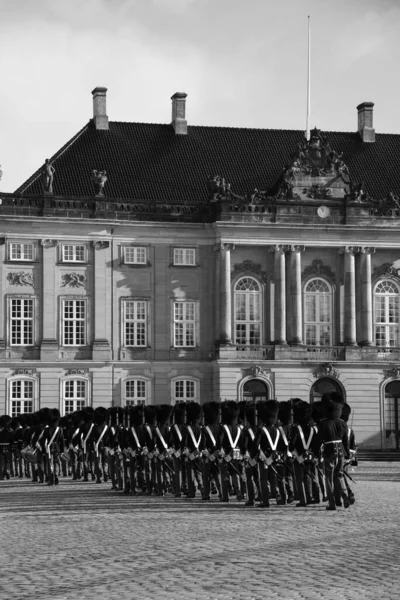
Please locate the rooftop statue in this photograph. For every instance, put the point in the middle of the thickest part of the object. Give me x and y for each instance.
(99, 179)
(218, 188)
(316, 157)
(48, 176)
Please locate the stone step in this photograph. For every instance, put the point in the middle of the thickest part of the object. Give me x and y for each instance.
(378, 455)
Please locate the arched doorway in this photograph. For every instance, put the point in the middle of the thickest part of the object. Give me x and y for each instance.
(255, 389)
(392, 410)
(325, 385)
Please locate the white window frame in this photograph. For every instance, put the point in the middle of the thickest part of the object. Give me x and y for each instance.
(318, 323)
(76, 399)
(35, 395)
(22, 299)
(135, 251)
(74, 258)
(23, 250)
(185, 397)
(184, 257)
(63, 320)
(136, 399)
(248, 322)
(194, 322)
(124, 322)
(386, 325)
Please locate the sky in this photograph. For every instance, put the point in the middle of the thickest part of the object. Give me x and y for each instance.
(243, 63)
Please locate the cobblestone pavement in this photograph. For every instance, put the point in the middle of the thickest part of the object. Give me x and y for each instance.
(84, 541)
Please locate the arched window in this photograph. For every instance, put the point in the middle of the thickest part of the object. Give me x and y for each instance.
(22, 396)
(248, 311)
(135, 392)
(75, 395)
(386, 313)
(184, 389)
(318, 313)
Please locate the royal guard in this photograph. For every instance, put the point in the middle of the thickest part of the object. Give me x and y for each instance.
(53, 439)
(148, 448)
(86, 441)
(284, 462)
(230, 456)
(6, 441)
(303, 445)
(211, 470)
(266, 443)
(192, 448)
(352, 460)
(177, 435)
(334, 436)
(248, 449)
(18, 432)
(162, 452)
(43, 419)
(99, 441)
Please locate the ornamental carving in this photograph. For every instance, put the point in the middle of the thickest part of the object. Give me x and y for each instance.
(20, 278)
(223, 246)
(318, 268)
(49, 243)
(386, 270)
(220, 190)
(73, 280)
(318, 192)
(255, 371)
(24, 372)
(76, 372)
(248, 266)
(325, 370)
(100, 244)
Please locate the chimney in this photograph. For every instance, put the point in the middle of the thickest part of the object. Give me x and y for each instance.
(100, 108)
(365, 121)
(179, 122)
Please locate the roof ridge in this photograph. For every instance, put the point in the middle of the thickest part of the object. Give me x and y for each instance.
(55, 156)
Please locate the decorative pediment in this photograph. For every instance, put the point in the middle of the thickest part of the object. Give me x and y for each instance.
(73, 280)
(256, 371)
(76, 372)
(49, 243)
(316, 268)
(248, 266)
(20, 278)
(387, 270)
(100, 244)
(30, 372)
(325, 370)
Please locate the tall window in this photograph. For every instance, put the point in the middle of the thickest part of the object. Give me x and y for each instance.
(74, 322)
(184, 324)
(318, 313)
(21, 321)
(248, 308)
(75, 395)
(184, 390)
(19, 251)
(135, 255)
(386, 301)
(135, 392)
(73, 253)
(135, 323)
(21, 396)
(185, 256)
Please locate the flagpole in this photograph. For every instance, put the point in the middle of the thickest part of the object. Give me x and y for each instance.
(308, 81)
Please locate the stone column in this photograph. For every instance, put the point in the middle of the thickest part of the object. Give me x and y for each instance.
(296, 304)
(349, 278)
(366, 334)
(280, 293)
(101, 300)
(49, 313)
(225, 294)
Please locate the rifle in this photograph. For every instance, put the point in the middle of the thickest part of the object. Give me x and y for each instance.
(349, 477)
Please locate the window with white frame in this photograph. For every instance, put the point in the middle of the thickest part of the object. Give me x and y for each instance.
(21, 322)
(21, 396)
(73, 253)
(135, 255)
(75, 395)
(248, 312)
(184, 390)
(135, 323)
(185, 257)
(135, 392)
(20, 251)
(386, 313)
(73, 322)
(184, 324)
(318, 313)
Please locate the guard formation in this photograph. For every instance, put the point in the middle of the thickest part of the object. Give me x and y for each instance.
(291, 452)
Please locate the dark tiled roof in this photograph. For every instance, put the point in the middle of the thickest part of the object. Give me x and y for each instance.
(148, 161)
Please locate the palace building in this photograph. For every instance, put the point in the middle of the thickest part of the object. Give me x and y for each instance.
(153, 263)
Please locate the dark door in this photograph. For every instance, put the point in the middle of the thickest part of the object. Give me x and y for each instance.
(392, 411)
(254, 389)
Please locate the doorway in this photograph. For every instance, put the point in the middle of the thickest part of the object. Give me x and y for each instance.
(325, 385)
(254, 389)
(392, 410)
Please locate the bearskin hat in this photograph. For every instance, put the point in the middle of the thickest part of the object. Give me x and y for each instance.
(318, 411)
(150, 414)
(285, 412)
(229, 412)
(87, 414)
(333, 410)
(120, 415)
(211, 412)
(163, 413)
(136, 415)
(193, 412)
(302, 413)
(112, 416)
(100, 415)
(267, 411)
(5, 421)
(180, 413)
(346, 412)
(64, 422)
(250, 413)
(337, 397)
(242, 411)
